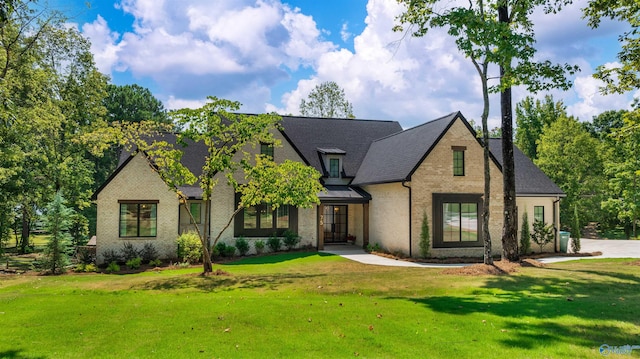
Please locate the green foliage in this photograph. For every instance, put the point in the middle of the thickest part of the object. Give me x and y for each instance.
(113, 267)
(84, 255)
(134, 263)
(373, 247)
(229, 251)
(57, 220)
(525, 235)
(259, 246)
(425, 236)
(129, 251)
(274, 242)
(326, 100)
(79, 229)
(133, 103)
(575, 231)
(542, 234)
(291, 239)
(242, 245)
(219, 249)
(189, 247)
(85, 268)
(155, 263)
(532, 118)
(111, 256)
(148, 252)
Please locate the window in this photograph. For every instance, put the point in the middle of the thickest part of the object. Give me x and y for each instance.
(196, 212)
(266, 149)
(138, 219)
(538, 213)
(263, 220)
(457, 220)
(334, 168)
(458, 161)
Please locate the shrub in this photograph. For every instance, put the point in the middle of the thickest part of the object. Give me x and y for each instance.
(155, 262)
(259, 246)
(90, 268)
(129, 251)
(84, 255)
(219, 250)
(189, 247)
(291, 239)
(229, 251)
(374, 247)
(134, 263)
(111, 256)
(274, 243)
(525, 235)
(242, 245)
(80, 267)
(148, 253)
(425, 236)
(113, 267)
(542, 234)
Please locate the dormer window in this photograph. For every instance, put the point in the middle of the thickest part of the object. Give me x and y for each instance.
(334, 167)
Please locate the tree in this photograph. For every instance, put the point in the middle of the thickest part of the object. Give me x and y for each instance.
(327, 100)
(542, 234)
(425, 236)
(525, 235)
(133, 103)
(604, 124)
(531, 119)
(228, 137)
(491, 32)
(572, 159)
(625, 77)
(57, 222)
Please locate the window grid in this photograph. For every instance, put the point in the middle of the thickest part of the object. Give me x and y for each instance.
(538, 213)
(334, 168)
(266, 149)
(138, 219)
(458, 163)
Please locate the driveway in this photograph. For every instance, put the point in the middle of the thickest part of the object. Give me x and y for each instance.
(609, 249)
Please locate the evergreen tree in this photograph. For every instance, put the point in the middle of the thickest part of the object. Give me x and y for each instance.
(57, 220)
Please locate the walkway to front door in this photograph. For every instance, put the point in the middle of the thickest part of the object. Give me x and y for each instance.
(335, 224)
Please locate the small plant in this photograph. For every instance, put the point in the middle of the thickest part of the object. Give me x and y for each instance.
(242, 245)
(525, 235)
(274, 243)
(182, 264)
(229, 251)
(129, 251)
(219, 250)
(425, 236)
(542, 234)
(84, 255)
(291, 239)
(373, 247)
(88, 268)
(148, 253)
(113, 267)
(80, 267)
(259, 246)
(155, 263)
(189, 247)
(134, 263)
(111, 256)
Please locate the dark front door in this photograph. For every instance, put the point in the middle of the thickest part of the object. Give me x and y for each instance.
(335, 224)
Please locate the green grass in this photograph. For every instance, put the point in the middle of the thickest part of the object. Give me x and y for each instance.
(322, 306)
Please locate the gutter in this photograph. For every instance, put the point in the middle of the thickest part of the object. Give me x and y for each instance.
(409, 187)
(557, 229)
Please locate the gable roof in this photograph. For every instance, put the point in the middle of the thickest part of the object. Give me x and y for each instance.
(394, 158)
(530, 180)
(352, 138)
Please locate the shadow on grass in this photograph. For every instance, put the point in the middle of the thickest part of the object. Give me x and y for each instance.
(223, 282)
(586, 308)
(276, 258)
(17, 354)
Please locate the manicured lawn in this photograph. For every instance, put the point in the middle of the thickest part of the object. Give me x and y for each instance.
(322, 306)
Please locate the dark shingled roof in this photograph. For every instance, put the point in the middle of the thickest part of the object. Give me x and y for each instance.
(308, 135)
(530, 180)
(395, 157)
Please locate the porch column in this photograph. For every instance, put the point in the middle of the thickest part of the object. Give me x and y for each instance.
(365, 224)
(321, 227)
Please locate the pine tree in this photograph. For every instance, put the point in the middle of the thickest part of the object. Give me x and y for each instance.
(425, 236)
(525, 235)
(57, 222)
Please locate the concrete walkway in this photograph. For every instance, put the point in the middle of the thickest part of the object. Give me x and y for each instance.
(609, 249)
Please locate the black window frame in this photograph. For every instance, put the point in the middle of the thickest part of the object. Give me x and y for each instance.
(458, 163)
(439, 199)
(337, 172)
(260, 231)
(266, 149)
(198, 218)
(138, 203)
(535, 215)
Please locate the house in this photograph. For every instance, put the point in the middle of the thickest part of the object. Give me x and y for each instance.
(380, 181)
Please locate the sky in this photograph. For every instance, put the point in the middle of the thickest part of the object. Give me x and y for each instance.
(269, 54)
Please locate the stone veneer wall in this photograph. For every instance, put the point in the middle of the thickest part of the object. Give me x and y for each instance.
(137, 181)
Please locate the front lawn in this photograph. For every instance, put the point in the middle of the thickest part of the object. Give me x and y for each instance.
(323, 306)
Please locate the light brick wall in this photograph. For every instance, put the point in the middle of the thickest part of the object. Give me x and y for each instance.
(435, 175)
(389, 216)
(527, 204)
(136, 181)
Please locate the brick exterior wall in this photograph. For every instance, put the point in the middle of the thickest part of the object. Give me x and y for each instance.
(389, 216)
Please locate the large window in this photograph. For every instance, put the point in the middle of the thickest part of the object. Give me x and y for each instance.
(138, 219)
(458, 161)
(457, 220)
(334, 168)
(263, 221)
(538, 213)
(196, 211)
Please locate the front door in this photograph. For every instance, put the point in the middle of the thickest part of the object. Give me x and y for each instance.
(335, 224)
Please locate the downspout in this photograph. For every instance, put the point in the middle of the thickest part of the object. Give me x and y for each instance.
(409, 187)
(556, 224)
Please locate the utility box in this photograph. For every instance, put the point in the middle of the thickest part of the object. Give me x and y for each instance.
(564, 241)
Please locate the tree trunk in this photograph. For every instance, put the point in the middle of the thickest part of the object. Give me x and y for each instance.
(510, 225)
(24, 237)
(486, 235)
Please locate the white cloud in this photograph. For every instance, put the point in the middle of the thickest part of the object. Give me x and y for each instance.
(103, 44)
(345, 35)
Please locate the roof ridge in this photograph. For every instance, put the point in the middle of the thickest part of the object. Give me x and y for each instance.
(450, 116)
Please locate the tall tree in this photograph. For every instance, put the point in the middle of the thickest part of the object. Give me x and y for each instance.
(531, 119)
(327, 100)
(57, 220)
(134, 103)
(495, 32)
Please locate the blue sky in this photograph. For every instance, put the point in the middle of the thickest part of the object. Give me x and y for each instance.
(268, 54)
